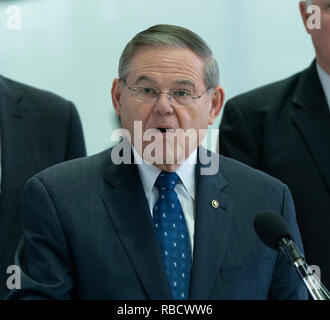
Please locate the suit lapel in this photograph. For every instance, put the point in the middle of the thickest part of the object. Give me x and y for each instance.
(129, 211)
(14, 148)
(212, 225)
(312, 118)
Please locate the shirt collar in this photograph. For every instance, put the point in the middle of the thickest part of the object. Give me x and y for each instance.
(325, 81)
(150, 173)
(186, 172)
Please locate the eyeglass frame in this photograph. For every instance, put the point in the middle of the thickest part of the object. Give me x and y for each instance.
(169, 94)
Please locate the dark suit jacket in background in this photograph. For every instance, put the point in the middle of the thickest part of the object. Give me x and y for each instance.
(284, 130)
(38, 129)
(89, 234)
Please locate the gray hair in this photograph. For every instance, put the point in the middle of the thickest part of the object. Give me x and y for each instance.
(309, 2)
(172, 36)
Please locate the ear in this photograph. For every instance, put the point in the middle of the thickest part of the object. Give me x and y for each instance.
(218, 99)
(116, 95)
(304, 14)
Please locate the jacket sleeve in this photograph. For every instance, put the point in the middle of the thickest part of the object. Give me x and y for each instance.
(76, 143)
(42, 255)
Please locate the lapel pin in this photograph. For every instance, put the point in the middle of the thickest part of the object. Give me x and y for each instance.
(215, 204)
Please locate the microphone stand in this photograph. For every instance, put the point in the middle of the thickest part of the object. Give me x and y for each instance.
(315, 287)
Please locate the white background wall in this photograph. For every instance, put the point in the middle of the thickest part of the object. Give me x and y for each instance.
(72, 47)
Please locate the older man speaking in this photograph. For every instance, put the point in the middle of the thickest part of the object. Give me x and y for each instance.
(156, 227)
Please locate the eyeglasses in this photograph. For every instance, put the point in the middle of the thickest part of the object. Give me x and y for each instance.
(182, 97)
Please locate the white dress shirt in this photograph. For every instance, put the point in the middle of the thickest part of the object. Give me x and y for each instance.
(185, 188)
(325, 81)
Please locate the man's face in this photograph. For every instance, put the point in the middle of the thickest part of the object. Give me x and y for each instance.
(321, 37)
(166, 69)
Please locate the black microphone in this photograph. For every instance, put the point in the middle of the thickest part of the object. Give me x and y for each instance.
(274, 232)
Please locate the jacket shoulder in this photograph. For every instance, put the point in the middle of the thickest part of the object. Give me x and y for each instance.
(268, 96)
(239, 174)
(77, 172)
(36, 100)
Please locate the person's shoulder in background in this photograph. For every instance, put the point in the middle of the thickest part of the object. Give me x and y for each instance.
(47, 112)
(263, 97)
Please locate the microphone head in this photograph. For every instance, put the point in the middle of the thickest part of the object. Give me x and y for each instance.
(271, 227)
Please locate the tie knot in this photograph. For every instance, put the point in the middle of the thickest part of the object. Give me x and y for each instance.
(167, 180)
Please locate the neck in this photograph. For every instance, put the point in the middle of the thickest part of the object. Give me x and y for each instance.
(167, 167)
(323, 65)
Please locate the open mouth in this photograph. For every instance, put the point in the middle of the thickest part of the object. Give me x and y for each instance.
(164, 130)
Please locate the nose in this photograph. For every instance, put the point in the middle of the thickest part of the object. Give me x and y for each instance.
(164, 104)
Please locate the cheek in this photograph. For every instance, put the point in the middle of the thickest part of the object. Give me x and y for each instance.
(326, 34)
(127, 115)
(321, 42)
(184, 118)
(132, 111)
(193, 118)
(323, 35)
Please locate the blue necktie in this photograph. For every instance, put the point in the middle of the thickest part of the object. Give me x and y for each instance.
(173, 236)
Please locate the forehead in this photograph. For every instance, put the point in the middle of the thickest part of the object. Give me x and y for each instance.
(166, 64)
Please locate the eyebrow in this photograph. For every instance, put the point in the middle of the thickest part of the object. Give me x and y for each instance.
(186, 82)
(143, 77)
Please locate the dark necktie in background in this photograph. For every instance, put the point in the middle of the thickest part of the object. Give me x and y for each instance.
(173, 235)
